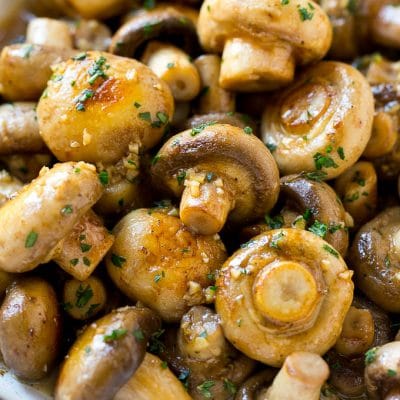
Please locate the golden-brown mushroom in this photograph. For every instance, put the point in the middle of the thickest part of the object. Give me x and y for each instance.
(19, 130)
(262, 47)
(375, 259)
(99, 104)
(286, 290)
(357, 188)
(106, 355)
(90, 35)
(320, 123)
(30, 328)
(155, 259)
(25, 69)
(47, 210)
(218, 170)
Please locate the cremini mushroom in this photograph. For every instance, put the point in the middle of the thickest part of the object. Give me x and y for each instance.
(48, 208)
(301, 377)
(19, 130)
(358, 189)
(375, 259)
(30, 328)
(25, 69)
(9, 186)
(262, 48)
(204, 351)
(106, 355)
(322, 122)
(286, 290)
(213, 98)
(98, 104)
(221, 172)
(382, 372)
(155, 259)
(152, 378)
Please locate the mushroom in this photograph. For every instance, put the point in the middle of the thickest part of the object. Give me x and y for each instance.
(155, 259)
(98, 104)
(322, 122)
(262, 48)
(171, 23)
(254, 387)
(286, 290)
(382, 372)
(30, 328)
(357, 188)
(9, 186)
(152, 378)
(89, 34)
(106, 355)
(25, 69)
(213, 98)
(375, 259)
(47, 209)
(49, 32)
(19, 130)
(218, 170)
(301, 377)
(84, 299)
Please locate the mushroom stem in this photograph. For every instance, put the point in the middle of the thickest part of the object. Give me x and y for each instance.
(301, 377)
(285, 292)
(249, 67)
(205, 206)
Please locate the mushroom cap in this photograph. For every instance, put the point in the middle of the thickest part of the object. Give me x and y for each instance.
(240, 159)
(266, 22)
(165, 22)
(126, 104)
(235, 302)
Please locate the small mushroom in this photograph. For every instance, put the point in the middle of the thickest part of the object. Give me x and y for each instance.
(106, 355)
(262, 48)
(301, 377)
(155, 259)
(375, 258)
(19, 130)
(25, 69)
(322, 122)
(382, 372)
(171, 23)
(47, 209)
(98, 105)
(49, 32)
(218, 170)
(286, 290)
(357, 188)
(89, 34)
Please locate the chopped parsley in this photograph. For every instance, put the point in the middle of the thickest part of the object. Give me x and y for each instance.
(145, 116)
(156, 346)
(117, 260)
(209, 176)
(116, 334)
(183, 377)
(83, 295)
(248, 130)
(31, 239)
(104, 178)
(391, 372)
(330, 250)
(74, 261)
(205, 387)
(27, 50)
(137, 105)
(276, 239)
(316, 176)
(138, 334)
(155, 159)
(82, 98)
(370, 355)
(324, 161)
(318, 228)
(274, 222)
(158, 277)
(306, 14)
(307, 214)
(97, 70)
(351, 6)
(67, 210)
(284, 2)
(200, 128)
(170, 65)
(86, 261)
(271, 146)
(80, 57)
(85, 247)
(164, 365)
(387, 262)
(340, 151)
(230, 387)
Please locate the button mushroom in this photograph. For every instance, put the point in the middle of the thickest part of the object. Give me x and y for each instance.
(218, 170)
(320, 123)
(98, 104)
(155, 259)
(375, 259)
(286, 290)
(262, 47)
(106, 355)
(47, 210)
(49, 32)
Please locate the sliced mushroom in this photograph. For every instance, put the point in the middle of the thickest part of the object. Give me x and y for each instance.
(106, 355)
(286, 290)
(375, 258)
(155, 259)
(174, 24)
(261, 49)
(218, 170)
(48, 209)
(322, 122)
(99, 104)
(19, 130)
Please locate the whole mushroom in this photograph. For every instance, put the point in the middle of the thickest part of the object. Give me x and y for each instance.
(262, 48)
(221, 172)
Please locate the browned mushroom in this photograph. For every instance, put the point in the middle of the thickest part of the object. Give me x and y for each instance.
(218, 170)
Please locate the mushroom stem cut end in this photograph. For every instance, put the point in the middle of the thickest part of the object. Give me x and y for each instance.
(250, 68)
(205, 207)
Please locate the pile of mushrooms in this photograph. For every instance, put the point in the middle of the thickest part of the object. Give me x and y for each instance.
(200, 199)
